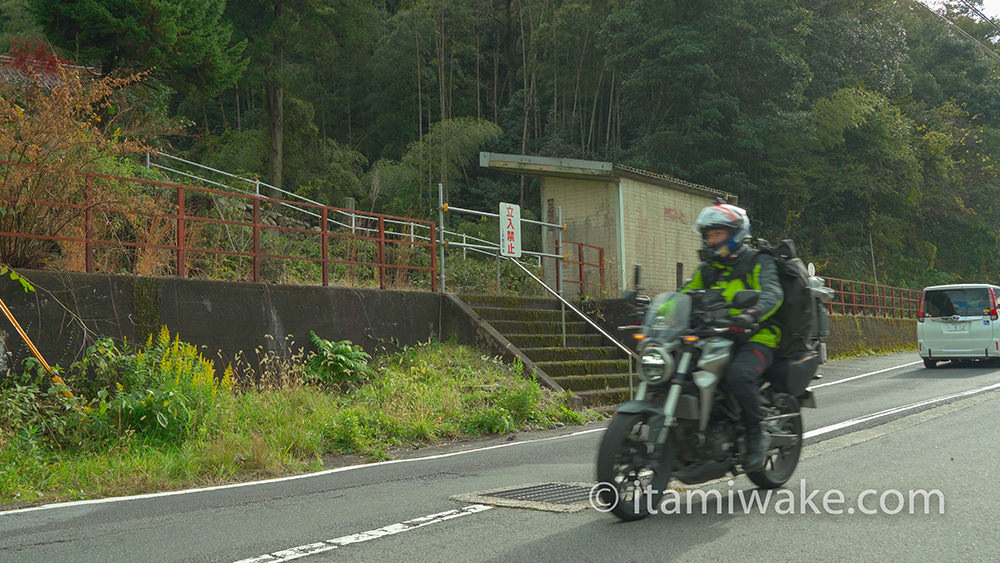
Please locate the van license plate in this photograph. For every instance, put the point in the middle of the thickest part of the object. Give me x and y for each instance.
(960, 327)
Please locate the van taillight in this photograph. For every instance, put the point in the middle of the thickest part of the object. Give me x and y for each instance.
(993, 303)
(920, 309)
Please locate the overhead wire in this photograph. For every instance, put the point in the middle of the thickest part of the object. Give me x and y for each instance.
(985, 18)
(989, 51)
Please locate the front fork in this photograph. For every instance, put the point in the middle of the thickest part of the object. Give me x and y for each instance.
(673, 395)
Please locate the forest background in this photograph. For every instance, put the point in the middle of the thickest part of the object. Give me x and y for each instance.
(867, 130)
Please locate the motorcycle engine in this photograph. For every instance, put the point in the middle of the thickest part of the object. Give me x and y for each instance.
(721, 440)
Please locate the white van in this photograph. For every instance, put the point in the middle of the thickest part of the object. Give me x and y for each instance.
(958, 321)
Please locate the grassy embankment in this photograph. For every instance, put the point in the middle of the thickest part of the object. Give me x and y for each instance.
(156, 418)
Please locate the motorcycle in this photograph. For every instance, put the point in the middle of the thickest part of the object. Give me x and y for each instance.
(682, 423)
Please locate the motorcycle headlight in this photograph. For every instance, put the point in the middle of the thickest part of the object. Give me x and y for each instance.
(656, 366)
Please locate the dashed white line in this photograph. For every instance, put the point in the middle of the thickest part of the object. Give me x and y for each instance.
(846, 379)
(392, 529)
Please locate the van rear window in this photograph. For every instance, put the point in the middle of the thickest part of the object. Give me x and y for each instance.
(962, 302)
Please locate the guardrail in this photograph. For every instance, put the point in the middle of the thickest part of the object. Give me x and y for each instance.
(862, 298)
(178, 238)
(577, 258)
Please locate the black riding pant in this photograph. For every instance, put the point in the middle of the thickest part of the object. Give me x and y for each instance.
(743, 379)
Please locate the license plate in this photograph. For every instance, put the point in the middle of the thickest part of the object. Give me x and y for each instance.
(956, 327)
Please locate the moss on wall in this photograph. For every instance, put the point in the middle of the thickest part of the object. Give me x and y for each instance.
(852, 335)
(146, 304)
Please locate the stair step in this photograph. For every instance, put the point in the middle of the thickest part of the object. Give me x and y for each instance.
(564, 354)
(553, 341)
(510, 302)
(528, 315)
(583, 367)
(541, 327)
(603, 397)
(579, 383)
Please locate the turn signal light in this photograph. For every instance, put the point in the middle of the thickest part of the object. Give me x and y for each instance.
(690, 339)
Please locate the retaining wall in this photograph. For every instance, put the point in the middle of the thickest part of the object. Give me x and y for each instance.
(69, 310)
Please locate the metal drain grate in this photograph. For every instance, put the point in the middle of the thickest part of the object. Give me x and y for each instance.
(553, 497)
(558, 493)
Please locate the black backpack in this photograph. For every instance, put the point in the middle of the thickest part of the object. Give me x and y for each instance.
(796, 315)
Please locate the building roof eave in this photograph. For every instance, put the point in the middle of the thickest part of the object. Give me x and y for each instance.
(592, 170)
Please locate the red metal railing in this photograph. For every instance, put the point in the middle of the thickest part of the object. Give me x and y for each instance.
(576, 260)
(861, 298)
(365, 243)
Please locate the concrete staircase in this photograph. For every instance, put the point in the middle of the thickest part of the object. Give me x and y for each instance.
(592, 368)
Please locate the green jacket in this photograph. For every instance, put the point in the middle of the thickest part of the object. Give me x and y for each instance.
(763, 278)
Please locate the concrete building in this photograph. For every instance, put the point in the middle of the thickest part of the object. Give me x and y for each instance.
(636, 216)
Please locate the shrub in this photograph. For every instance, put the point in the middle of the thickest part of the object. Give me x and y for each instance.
(336, 364)
(50, 127)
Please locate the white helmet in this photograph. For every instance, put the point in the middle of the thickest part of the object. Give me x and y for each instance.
(722, 216)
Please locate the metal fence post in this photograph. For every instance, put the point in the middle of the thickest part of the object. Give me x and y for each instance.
(181, 243)
(600, 262)
(324, 251)
(88, 245)
(559, 267)
(559, 251)
(441, 229)
(381, 252)
(256, 239)
(433, 272)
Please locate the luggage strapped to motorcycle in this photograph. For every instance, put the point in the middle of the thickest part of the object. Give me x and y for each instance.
(795, 314)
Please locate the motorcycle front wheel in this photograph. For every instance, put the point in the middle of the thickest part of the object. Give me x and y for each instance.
(631, 475)
(782, 459)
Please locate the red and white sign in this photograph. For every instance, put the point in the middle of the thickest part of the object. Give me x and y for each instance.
(510, 230)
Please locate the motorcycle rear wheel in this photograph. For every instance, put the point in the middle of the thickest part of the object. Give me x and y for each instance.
(625, 458)
(780, 463)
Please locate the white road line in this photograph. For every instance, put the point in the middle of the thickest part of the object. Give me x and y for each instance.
(367, 465)
(845, 380)
(392, 529)
(294, 477)
(896, 410)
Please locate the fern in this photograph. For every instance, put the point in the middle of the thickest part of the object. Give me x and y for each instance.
(336, 364)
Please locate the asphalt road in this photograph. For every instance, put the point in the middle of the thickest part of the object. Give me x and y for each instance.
(934, 431)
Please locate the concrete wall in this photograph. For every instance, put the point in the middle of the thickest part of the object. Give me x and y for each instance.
(658, 233)
(69, 310)
(657, 229)
(851, 335)
(590, 211)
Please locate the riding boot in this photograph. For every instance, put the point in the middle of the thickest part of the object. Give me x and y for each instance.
(756, 444)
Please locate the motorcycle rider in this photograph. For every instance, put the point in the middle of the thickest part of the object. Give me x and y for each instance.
(725, 230)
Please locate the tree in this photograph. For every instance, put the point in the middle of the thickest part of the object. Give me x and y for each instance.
(186, 42)
(282, 34)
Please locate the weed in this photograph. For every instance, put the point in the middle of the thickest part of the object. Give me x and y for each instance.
(336, 364)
